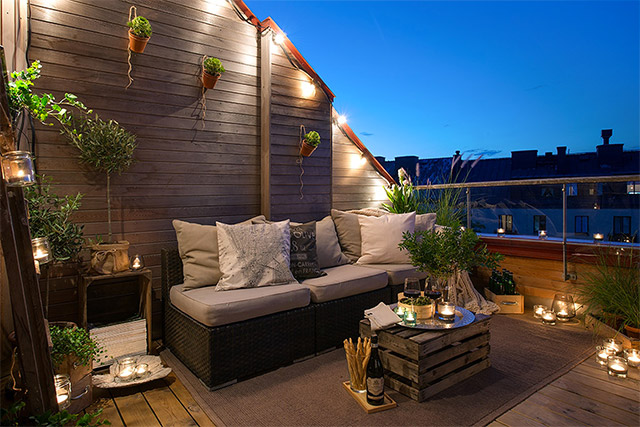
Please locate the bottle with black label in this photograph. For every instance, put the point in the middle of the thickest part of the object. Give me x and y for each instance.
(375, 376)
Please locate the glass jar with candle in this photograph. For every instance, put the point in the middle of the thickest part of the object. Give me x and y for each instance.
(41, 250)
(538, 309)
(63, 390)
(617, 366)
(542, 234)
(633, 357)
(446, 311)
(125, 369)
(142, 370)
(613, 345)
(137, 262)
(400, 311)
(500, 232)
(548, 317)
(564, 307)
(410, 318)
(602, 354)
(17, 169)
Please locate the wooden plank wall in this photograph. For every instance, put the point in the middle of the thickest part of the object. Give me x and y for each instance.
(356, 184)
(14, 32)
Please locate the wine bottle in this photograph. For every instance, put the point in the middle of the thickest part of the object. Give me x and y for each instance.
(375, 376)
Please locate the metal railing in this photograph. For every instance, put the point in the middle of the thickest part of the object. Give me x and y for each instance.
(530, 182)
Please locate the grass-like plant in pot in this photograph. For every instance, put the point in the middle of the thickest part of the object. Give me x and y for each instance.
(310, 142)
(139, 33)
(212, 69)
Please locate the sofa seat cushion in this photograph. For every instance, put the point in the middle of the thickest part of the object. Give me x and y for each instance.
(398, 272)
(344, 281)
(213, 308)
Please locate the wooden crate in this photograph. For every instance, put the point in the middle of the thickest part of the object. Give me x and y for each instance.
(509, 304)
(420, 363)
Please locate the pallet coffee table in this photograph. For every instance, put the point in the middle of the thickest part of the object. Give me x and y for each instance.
(421, 363)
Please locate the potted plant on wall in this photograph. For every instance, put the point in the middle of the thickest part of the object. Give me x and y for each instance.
(212, 69)
(139, 33)
(309, 144)
(106, 147)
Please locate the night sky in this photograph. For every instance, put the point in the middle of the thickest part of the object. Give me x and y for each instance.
(427, 78)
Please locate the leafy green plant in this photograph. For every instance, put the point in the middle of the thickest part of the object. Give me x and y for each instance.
(50, 217)
(442, 253)
(611, 290)
(64, 418)
(312, 138)
(104, 145)
(73, 341)
(10, 416)
(419, 301)
(403, 199)
(140, 27)
(213, 66)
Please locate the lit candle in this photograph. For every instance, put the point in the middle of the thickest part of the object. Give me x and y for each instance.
(617, 367)
(62, 398)
(542, 234)
(63, 390)
(400, 311)
(538, 309)
(598, 237)
(142, 369)
(137, 263)
(633, 357)
(125, 373)
(500, 232)
(548, 317)
(447, 311)
(17, 168)
(126, 369)
(410, 318)
(602, 354)
(613, 345)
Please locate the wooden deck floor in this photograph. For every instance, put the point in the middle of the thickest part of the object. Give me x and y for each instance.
(585, 396)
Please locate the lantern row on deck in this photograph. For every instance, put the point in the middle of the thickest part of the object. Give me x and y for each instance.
(617, 361)
(562, 310)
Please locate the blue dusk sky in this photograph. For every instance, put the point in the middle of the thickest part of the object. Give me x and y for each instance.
(427, 78)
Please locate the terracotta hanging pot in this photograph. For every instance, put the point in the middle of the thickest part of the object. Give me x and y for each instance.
(209, 80)
(137, 44)
(306, 149)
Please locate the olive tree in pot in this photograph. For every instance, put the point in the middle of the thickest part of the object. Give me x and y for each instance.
(106, 147)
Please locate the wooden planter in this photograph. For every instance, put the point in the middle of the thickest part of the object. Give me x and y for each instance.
(509, 304)
(209, 80)
(306, 149)
(137, 44)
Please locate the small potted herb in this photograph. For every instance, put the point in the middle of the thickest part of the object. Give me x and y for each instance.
(309, 143)
(212, 69)
(139, 33)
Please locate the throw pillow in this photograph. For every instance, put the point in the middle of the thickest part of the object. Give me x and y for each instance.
(198, 248)
(381, 236)
(425, 222)
(254, 255)
(327, 244)
(348, 229)
(304, 256)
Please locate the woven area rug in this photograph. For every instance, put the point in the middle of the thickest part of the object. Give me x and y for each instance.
(525, 356)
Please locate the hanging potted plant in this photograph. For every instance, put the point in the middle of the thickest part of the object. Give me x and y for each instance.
(139, 33)
(309, 143)
(106, 147)
(212, 69)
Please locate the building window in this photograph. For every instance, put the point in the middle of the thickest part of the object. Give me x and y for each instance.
(595, 189)
(633, 187)
(506, 222)
(622, 225)
(582, 224)
(539, 223)
(572, 189)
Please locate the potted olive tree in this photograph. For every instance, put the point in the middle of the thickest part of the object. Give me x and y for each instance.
(139, 33)
(106, 147)
(310, 142)
(212, 69)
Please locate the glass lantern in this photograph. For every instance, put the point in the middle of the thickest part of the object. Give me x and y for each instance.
(63, 391)
(17, 169)
(41, 250)
(126, 369)
(564, 307)
(137, 262)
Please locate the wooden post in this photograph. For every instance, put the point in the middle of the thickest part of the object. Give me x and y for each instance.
(26, 305)
(265, 122)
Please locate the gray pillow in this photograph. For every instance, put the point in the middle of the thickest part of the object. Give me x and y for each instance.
(198, 248)
(327, 245)
(304, 255)
(425, 222)
(348, 229)
(254, 255)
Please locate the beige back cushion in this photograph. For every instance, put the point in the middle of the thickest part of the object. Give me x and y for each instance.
(425, 222)
(327, 245)
(348, 229)
(381, 236)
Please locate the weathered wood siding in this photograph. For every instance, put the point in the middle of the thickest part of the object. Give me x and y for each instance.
(356, 184)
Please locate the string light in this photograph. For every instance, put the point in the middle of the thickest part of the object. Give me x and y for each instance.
(363, 160)
(279, 38)
(308, 89)
(342, 119)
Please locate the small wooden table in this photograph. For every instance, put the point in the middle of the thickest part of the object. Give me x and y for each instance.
(421, 363)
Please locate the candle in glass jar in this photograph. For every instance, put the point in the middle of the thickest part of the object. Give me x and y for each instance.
(142, 369)
(410, 318)
(613, 345)
(542, 234)
(538, 309)
(617, 366)
(500, 232)
(598, 237)
(400, 311)
(602, 354)
(633, 357)
(63, 390)
(446, 311)
(548, 317)
(62, 398)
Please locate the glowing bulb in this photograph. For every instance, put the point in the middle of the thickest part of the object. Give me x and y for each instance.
(363, 160)
(308, 89)
(279, 38)
(356, 161)
(342, 119)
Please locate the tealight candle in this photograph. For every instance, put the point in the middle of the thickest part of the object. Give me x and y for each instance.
(500, 232)
(538, 309)
(63, 391)
(617, 367)
(17, 169)
(548, 317)
(447, 311)
(400, 311)
(598, 237)
(410, 318)
(613, 345)
(137, 262)
(602, 354)
(633, 357)
(126, 369)
(542, 234)
(142, 369)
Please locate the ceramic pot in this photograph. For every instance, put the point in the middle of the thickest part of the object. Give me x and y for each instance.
(306, 149)
(631, 332)
(137, 44)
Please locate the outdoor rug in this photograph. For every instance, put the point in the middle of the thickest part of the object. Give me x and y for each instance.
(525, 356)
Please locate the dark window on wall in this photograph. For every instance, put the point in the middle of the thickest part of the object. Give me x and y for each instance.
(582, 224)
(622, 225)
(633, 187)
(539, 223)
(506, 222)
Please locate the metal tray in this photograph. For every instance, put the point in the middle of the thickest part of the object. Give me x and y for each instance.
(463, 318)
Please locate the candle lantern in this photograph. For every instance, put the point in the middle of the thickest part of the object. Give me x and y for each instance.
(617, 366)
(500, 232)
(63, 391)
(564, 307)
(400, 311)
(598, 237)
(602, 354)
(125, 369)
(410, 318)
(41, 250)
(542, 234)
(137, 262)
(613, 345)
(548, 317)
(142, 370)
(17, 169)
(633, 357)
(446, 311)
(538, 309)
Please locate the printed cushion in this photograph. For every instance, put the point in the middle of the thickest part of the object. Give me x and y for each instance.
(304, 256)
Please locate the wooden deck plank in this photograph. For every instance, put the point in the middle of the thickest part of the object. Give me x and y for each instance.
(515, 419)
(601, 374)
(103, 400)
(580, 416)
(496, 424)
(166, 406)
(542, 414)
(633, 374)
(133, 407)
(188, 401)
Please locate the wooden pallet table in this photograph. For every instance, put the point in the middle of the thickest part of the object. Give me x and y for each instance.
(420, 363)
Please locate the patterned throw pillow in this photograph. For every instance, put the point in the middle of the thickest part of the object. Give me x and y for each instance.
(304, 255)
(254, 255)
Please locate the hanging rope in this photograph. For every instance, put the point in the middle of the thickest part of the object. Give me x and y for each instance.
(14, 356)
(132, 10)
(203, 99)
(299, 160)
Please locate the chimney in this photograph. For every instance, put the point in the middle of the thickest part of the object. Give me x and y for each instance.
(609, 155)
(606, 134)
(562, 160)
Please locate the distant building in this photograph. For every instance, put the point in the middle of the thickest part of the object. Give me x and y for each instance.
(612, 209)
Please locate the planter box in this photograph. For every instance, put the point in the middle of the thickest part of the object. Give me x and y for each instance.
(606, 331)
(81, 389)
(509, 304)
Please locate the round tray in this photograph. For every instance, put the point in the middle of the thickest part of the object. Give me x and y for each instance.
(463, 317)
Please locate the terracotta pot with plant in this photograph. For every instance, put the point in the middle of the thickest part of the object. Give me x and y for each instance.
(212, 69)
(139, 33)
(309, 143)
